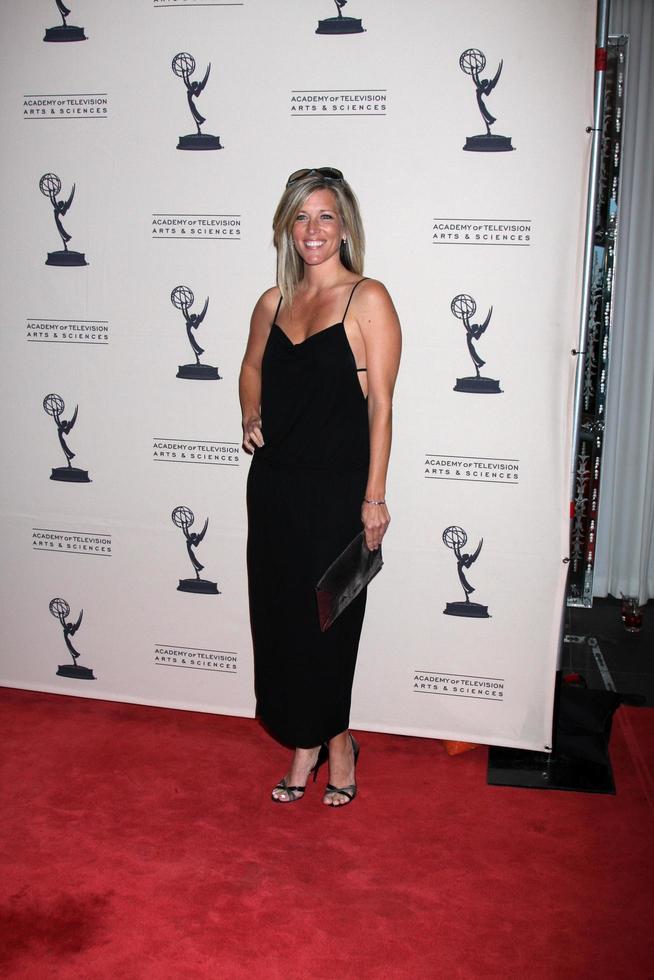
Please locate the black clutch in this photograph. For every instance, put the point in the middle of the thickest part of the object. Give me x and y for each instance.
(345, 578)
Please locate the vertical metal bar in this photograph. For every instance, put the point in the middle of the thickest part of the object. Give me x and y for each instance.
(598, 115)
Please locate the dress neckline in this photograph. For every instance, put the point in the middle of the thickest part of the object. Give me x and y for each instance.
(341, 322)
(311, 335)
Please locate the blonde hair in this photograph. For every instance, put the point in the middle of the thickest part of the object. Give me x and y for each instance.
(290, 267)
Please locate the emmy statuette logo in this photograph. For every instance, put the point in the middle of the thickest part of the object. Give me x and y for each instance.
(182, 299)
(183, 65)
(463, 307)
(472, 62)
(61, 610)
(64, 31)
(54, 406)
(340, 24)
(50, 186)
(455, 538)
(183, 518)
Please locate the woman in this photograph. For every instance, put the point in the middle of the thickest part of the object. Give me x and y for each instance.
(316, 395)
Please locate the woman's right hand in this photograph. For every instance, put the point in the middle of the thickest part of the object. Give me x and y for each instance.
(252, 434)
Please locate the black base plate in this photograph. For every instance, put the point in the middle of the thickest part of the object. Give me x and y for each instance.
(473, 610)
(199, 141)
(199, 585)
(580, 758)
(488, 143)
(70, 474)
(478, 386)
(79, 673)
(67, 33)
(198, 372)
(540, 770)
(66, 258)
(340, 25)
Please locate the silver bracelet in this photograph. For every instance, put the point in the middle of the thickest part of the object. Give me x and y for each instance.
(366, 501)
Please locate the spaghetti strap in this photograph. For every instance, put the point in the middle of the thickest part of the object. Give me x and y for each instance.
(350, 299)
(279, 304)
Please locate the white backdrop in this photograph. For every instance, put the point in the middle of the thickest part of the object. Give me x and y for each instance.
(392, 108)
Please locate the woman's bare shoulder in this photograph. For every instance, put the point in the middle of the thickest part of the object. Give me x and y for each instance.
(267, 302)
(371, 285)
(373, 294)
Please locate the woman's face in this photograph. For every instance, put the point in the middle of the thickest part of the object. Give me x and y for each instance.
(318, 229)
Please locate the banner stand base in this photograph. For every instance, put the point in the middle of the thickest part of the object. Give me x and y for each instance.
(543, 770)
(580, 759)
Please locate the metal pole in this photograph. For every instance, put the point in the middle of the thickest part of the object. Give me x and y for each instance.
(598, 119)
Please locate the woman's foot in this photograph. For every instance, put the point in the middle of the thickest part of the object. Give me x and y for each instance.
(343, 753)
(292, 786)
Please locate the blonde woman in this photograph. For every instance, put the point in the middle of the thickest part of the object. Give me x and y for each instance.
(316, 390)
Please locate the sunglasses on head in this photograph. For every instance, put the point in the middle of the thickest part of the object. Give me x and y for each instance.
(329, 173)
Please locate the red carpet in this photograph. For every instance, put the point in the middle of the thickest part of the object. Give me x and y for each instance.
(139, 843)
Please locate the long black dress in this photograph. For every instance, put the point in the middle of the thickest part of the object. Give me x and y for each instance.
(305, 489)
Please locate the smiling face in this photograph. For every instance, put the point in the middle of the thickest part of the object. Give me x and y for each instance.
(318, 229)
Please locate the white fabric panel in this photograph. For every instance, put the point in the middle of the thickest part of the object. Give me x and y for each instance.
(625, 539)
(493, 464)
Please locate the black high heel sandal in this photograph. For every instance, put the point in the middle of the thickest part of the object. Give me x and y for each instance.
(348, 791)
(297, 792)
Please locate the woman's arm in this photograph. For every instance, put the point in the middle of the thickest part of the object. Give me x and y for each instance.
(249, 382)
(380, 329)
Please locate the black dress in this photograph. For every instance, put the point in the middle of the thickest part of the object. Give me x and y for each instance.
(305, 489)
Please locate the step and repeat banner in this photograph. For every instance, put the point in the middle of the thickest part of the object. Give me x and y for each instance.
(146, 143)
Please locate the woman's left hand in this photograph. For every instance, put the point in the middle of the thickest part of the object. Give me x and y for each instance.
(375, 519)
